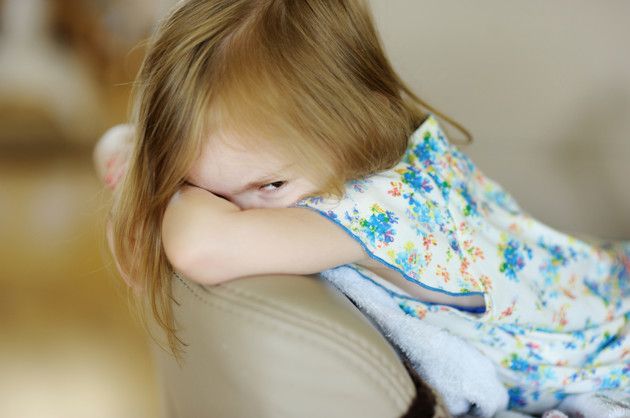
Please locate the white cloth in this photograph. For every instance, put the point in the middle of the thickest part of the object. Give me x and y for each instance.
(466, 380)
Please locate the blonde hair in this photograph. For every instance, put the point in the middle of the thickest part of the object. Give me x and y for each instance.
(308, 79)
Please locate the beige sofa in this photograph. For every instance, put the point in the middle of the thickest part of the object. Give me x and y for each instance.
(283, 346)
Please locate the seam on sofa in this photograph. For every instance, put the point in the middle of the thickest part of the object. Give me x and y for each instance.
(326, 326)
(314, 320)
(336, 341)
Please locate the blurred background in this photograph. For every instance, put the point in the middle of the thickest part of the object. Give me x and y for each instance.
(69, 344)
(543, 87)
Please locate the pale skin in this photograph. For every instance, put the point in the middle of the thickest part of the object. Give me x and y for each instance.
(241, 198)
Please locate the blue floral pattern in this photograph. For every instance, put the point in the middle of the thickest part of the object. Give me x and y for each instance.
(556, 307)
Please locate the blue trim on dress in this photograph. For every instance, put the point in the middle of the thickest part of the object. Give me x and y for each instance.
(371, 255)
(471, 309)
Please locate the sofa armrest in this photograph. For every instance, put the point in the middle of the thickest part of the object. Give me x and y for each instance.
(278, 346)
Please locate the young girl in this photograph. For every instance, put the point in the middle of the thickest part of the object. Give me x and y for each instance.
(275, 137)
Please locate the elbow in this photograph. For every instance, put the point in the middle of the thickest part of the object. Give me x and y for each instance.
(176, 242)
(179, 258)
(180, 253)
(185, 258)
(176, 238)
(186, 244)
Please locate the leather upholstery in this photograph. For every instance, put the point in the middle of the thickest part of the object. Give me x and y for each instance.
(278, 346)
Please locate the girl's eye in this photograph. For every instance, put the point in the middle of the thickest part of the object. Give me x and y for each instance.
(276, 185)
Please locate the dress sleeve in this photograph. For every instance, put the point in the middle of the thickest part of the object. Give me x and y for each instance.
(400, 219)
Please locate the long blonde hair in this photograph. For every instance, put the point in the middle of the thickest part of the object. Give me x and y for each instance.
(308, 79)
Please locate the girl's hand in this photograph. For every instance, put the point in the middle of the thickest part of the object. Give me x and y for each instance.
(111, 154)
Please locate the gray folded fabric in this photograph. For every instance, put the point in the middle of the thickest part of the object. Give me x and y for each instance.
(465, 378)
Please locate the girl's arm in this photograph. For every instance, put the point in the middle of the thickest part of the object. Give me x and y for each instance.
(211, 240)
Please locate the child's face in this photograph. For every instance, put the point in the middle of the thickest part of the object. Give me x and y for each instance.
(246, 178)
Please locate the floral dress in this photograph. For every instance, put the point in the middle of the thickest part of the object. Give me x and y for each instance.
(555, 306)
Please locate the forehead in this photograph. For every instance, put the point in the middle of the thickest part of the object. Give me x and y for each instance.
(226, 163)
(249, 153)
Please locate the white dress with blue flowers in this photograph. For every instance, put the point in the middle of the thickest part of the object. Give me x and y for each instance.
(555, 306)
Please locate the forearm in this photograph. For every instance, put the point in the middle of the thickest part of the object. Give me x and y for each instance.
(210, 240)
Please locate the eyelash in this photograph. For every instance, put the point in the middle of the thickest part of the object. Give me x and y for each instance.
(268, 184)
